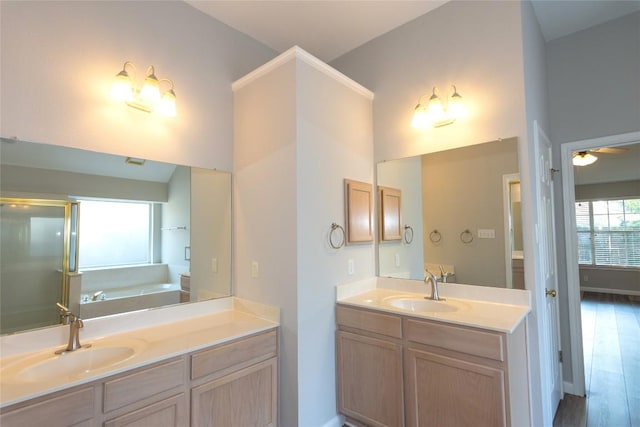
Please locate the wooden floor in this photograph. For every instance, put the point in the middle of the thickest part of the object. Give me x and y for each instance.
(611, 340)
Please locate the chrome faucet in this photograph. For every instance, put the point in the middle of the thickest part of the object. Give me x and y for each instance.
(75, 324)
(430, 277)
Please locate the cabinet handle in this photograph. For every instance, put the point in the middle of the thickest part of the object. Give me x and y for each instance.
(551, 293)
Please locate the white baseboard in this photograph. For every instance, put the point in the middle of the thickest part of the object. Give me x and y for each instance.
(336, 421)
(610, 291)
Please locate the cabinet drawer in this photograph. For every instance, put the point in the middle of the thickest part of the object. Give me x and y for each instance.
(369, 321)
(143, 384)
(235, 355)
(169, 412)
(470, 341)
(72, 408)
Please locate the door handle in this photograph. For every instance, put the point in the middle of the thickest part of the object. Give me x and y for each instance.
(550, 293)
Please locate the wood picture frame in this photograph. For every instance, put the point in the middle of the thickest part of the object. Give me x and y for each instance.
(389, 206)
(358, 211)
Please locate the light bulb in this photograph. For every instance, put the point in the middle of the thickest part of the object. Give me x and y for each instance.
(167, 106)
(420, 117)
(122, 89)
(150, 92)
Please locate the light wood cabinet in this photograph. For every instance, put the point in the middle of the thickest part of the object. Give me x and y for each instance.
(232, 384)
(443, 374)
(445, 390)
(74, 407)
(369, 367)
(370, 379)
(245, 398)
(167, 412)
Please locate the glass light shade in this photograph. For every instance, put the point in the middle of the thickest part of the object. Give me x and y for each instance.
(455, 109)
(167, 106)
(583, 159)
(122, 89)
(420, 117)
(435, 107)
(150, 92)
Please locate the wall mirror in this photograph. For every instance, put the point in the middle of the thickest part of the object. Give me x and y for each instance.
(107, 234)
(463, 206)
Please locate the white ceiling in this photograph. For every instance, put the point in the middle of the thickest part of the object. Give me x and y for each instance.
(329, 28)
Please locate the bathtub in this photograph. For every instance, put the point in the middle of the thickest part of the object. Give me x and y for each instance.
(138, 297)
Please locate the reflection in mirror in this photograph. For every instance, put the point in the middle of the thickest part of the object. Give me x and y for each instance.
(464, 207)
(106, 234)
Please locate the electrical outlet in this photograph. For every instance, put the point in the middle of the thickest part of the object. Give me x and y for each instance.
(214, 265)
(585, 278)
(255, 269)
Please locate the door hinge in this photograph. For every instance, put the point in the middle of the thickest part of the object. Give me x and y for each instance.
(553, 172)
(560, 356)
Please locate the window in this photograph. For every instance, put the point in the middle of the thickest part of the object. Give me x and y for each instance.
(114, 233)
(609, 232)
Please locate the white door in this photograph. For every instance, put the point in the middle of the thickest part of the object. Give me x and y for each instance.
(545, 241)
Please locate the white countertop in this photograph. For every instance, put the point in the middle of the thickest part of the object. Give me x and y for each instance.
(233, 319)
(500, 310)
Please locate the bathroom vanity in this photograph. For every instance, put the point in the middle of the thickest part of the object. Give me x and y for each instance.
(214, 370)
(405, 360)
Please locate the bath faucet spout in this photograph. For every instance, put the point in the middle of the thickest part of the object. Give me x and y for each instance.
(433, 279)
(75, 324)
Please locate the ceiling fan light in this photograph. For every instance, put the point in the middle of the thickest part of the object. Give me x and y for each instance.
(583, 158)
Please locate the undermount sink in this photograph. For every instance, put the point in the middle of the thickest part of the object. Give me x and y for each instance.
(422, 305)
(46, 366)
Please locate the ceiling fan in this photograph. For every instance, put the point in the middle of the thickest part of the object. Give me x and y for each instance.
(585, 157)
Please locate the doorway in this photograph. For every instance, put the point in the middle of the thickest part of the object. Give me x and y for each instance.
(572, 251)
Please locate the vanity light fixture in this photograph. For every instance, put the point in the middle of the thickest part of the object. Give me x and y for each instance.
(149, 97)
(434, 113)
(583, 158)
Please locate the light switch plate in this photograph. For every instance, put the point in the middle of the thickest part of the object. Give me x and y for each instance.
(486, 233)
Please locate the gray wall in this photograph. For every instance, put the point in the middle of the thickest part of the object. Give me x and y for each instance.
(593, 90)
(475, 45)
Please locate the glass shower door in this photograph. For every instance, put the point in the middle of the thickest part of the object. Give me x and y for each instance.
(32, 264)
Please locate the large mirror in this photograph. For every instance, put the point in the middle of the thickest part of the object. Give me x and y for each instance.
(107, 234)
(460, 216)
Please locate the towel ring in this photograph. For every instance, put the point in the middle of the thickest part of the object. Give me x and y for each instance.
(466, 237)
(408, 234)
(435, 236)
(340, 244)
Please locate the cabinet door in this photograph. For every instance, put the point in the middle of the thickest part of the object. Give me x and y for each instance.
(445, 391)
(245, 398)
(70, 408)
(370, 380)
(166, 413)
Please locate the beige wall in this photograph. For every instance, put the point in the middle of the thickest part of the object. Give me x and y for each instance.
(59, 60)
(608, 190)
(610, 280)
(18, 181)
(462, 189)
